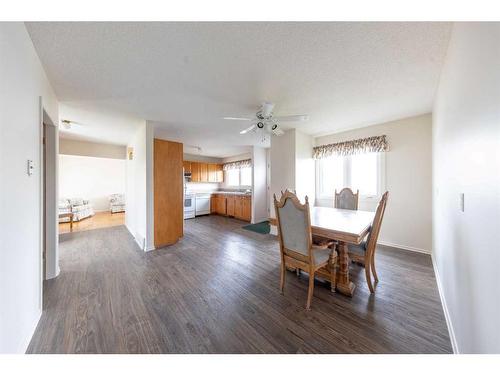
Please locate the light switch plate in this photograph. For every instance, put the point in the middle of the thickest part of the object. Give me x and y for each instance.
(31, 167)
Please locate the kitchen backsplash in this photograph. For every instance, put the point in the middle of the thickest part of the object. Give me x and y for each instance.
(202, 186)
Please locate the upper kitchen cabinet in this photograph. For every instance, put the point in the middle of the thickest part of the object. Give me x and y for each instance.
(195, 172)
(212, 173)
(204, 172)
(187, 166)
(219, 173)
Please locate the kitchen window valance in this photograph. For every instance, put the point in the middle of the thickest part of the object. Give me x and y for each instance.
(238, 164)
(357, 146)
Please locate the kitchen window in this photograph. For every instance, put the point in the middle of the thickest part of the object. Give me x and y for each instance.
(365, 172)
(239, 177)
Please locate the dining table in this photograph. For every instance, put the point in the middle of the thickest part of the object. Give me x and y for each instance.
(345, 227)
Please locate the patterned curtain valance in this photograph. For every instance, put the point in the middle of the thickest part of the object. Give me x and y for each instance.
(238, 164)
(357, 146)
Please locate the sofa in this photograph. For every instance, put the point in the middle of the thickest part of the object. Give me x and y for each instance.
(80, 208)
(117, 203)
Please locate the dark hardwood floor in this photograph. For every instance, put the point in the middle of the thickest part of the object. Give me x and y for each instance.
(216, 291)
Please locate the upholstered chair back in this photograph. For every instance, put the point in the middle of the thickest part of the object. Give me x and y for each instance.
(346, 199)
(294, 223)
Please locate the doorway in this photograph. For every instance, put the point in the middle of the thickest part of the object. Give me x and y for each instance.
(49, 260)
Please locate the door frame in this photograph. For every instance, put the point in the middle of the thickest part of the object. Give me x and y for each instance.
(48, 207)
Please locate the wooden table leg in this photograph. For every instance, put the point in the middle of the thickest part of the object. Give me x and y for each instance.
(344, 285)
(71, 223)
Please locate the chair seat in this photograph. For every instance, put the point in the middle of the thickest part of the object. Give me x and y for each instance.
(321, 255)
(358, 249)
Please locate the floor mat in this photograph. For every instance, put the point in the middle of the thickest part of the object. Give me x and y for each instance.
(263, 227)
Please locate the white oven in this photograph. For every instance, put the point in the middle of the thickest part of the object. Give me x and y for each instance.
(189, 206)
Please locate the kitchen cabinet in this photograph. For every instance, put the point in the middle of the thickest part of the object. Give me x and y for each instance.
(237, 206)
(220, 204)
(195, 172)
(243, 207)
(219, 173)
(213, 204)
(230, 205)
(246, 203)
(212, 172)
(204, 172)
(187, 166)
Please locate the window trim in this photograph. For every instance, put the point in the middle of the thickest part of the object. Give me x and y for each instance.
(381, 176)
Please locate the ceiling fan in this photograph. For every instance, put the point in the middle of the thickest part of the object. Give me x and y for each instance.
(68, 124)
(264, 120)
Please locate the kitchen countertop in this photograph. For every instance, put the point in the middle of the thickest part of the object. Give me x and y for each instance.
(232, 192)
(221, 192)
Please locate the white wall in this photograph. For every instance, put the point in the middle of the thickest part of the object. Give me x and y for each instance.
(466, 144)
(282, 165)
(91, 178)
(135, 215)
(304, 167)
(259, 185)
(408, 178)
(23, 83)
(98, 150)
(292, 167)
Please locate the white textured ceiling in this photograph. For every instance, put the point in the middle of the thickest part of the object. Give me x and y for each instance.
(185, 77)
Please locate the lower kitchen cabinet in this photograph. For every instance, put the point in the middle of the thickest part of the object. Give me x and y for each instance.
(237, 206)
(230, 205)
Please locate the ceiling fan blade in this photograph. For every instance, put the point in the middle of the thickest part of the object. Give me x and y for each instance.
(249, 129)
(292, 118)
(238, 118)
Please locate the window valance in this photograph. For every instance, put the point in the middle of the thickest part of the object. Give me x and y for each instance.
(238, 164)
(357, 146)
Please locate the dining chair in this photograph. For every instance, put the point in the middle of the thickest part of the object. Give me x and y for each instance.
(296, 247)
(346, 199)
(364, 253)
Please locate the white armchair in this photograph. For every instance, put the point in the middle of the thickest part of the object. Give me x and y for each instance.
(117, 203)
(80, 208)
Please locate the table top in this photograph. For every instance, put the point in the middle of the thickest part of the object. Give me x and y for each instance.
(342, 225)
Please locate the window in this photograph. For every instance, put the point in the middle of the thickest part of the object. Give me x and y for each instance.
(362, 171)
(246, 176)
(233, 177)
(239, 177)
